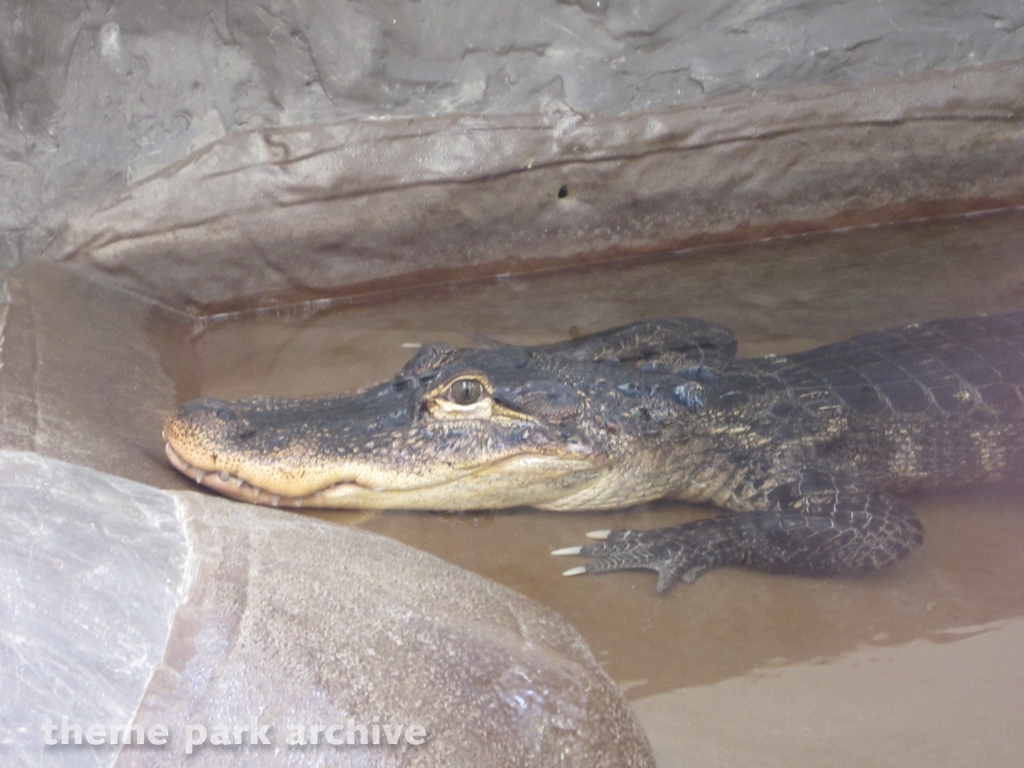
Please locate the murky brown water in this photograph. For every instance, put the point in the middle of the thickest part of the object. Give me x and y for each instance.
(779, 296)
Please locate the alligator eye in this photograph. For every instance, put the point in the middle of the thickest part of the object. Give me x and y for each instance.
(465, 391)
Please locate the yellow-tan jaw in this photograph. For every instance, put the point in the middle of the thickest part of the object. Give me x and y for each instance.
(513, 481)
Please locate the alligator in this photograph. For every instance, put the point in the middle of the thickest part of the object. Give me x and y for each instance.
(806, 453)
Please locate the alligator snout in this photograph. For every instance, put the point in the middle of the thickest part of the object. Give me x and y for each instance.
(207, 438)
(201, 430)
(209, 416)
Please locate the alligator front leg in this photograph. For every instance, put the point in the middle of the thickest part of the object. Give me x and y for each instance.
(815, 525)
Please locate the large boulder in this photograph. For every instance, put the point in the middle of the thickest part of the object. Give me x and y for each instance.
(176, 609)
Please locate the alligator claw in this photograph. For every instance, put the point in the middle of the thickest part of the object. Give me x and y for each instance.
(567, 551)
(674, 553)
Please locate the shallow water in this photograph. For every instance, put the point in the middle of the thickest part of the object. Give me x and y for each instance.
(779, 296)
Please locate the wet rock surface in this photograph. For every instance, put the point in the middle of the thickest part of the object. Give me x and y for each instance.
(81, 374)
(917, 685)
(180, 608)
(297, 213)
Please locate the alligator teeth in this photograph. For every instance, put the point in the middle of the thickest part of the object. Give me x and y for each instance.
(297, 503)
(567, 551)
(275, 499)
(225, 475)
(598, 534)
(200, 475)
(255, 492)
(578, 570)
(239, 482)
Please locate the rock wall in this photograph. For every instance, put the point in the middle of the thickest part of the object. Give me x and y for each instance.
(99, 93)
(289, 214)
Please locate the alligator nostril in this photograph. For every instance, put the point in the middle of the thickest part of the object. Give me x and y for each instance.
(217, 415)
(208, 406)
(208, 409)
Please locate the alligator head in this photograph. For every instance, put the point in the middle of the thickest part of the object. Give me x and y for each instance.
(555, 427)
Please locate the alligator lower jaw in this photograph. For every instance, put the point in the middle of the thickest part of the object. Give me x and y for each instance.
(235, 487)
(475, 490)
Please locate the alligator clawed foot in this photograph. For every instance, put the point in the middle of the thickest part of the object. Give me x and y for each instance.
(663, 550)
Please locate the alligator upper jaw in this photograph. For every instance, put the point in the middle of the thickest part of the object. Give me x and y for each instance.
(512, 481)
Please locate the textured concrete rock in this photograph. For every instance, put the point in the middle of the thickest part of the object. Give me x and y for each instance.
(91, 570)
(97, 93)
(299, 212)
(303, 622)
(119, 602)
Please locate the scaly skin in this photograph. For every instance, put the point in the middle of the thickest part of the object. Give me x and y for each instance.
(804, 451)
